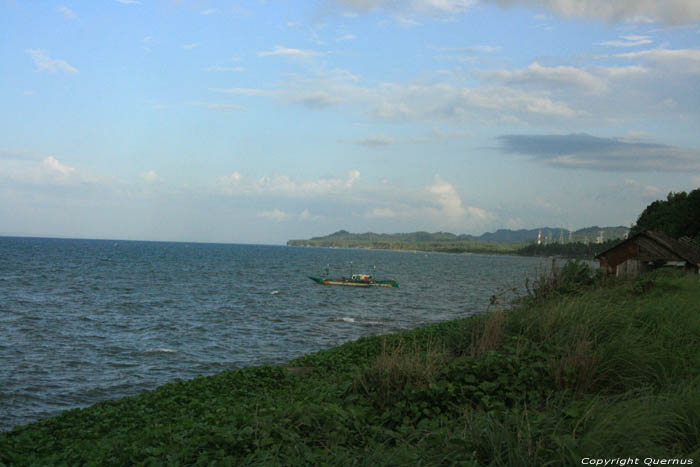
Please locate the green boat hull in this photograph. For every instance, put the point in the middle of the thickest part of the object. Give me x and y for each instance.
(344, 281)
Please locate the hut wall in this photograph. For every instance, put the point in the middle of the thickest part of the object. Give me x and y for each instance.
(631, 267)
(619, 255)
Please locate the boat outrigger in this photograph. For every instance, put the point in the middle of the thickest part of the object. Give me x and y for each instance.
(356, 280)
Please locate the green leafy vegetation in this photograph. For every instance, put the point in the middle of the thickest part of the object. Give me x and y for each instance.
(677, 216)
(578, 250)
(421, 241)
(577, 368)
(556, 241)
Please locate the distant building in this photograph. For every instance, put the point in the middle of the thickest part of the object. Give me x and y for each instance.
(649, 250)
(601, 235)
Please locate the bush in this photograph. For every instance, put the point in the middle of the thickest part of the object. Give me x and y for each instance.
(573, 278)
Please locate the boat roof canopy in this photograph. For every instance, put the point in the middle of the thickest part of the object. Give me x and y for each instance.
(361, 276)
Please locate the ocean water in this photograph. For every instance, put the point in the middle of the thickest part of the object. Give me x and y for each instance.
(88, 320)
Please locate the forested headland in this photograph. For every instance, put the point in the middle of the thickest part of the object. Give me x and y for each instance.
(582, 243)
(678, 215)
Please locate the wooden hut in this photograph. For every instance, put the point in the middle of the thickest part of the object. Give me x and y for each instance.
(649, 250)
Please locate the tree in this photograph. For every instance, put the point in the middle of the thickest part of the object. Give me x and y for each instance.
(677, 216)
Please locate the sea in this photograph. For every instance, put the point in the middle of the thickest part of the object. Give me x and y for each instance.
(82, 321)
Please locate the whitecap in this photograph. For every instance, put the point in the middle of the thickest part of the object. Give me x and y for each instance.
(347, 320)
(274, 292)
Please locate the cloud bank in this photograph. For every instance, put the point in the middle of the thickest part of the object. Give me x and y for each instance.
(583, 151)
(663, 11)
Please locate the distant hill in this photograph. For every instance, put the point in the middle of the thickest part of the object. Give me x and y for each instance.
(501, 241)
(593, 234)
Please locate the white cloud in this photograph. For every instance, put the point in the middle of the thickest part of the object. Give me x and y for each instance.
(353, 176)
(627, 41)
(305, 215)
(413, 6)
(682, 60)
(438, 204)
(66, 12)
(236, 184)
(451, 211)
(282, 184)
(657, 82)
(48, 171)
(426, 102)
(45, 63)
(150, 176)
(540, 76)
(406, 21)
(191, 46)
(229, 184)
(275, 215)
(479, 213)
(419, 102)
(346, 37)
(375, 141)
(405, 13)
(129, 2)
(447, 198)
(52, 166)
(665, 11)
(208, 11)
(287, 52)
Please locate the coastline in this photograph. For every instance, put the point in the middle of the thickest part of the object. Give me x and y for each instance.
(509, 253)
(493, 388)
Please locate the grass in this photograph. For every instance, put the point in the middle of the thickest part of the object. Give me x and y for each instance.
(576, 369)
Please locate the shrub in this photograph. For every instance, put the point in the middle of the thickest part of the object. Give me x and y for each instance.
(573, 278)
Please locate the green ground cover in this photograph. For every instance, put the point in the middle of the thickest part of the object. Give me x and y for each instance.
(574, 370)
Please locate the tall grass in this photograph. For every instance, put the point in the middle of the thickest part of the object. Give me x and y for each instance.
(400, 365)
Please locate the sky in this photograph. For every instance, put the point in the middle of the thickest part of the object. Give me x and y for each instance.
(262, 121)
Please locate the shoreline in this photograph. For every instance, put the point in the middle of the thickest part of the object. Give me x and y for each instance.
(466, 252)
(435, 388)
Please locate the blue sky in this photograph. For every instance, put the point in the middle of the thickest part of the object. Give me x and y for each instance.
(261, 121)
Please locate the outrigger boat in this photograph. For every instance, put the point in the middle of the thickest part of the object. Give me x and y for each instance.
(356, 280)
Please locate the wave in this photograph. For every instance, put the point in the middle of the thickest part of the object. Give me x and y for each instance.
(160, 350)
(347, 319)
